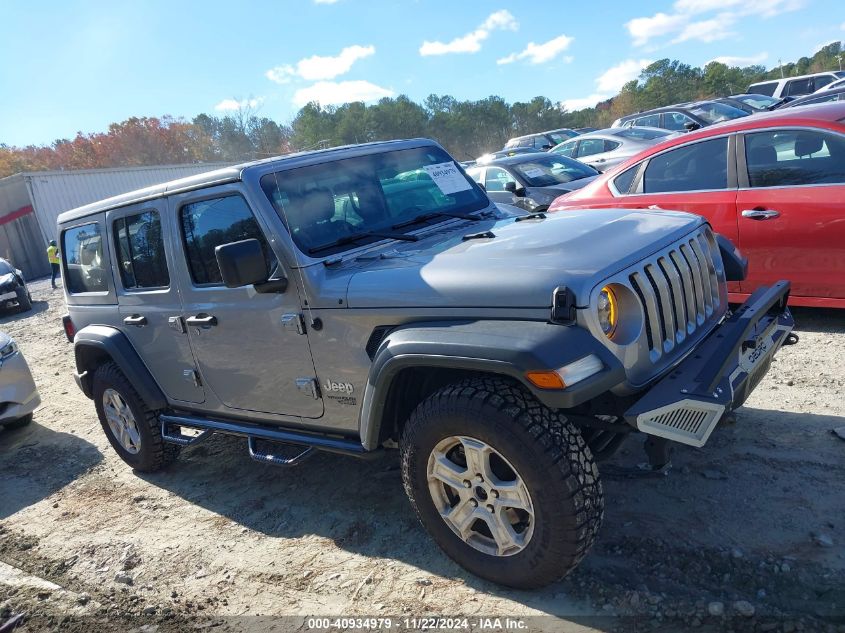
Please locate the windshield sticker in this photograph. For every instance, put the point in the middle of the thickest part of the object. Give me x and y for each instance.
(534, 172)
(447, 177)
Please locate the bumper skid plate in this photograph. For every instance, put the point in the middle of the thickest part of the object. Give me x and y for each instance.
(717, 377)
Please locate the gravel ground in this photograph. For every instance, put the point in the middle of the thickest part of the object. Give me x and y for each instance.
(746, 534)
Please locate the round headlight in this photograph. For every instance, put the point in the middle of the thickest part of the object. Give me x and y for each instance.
(606, 311)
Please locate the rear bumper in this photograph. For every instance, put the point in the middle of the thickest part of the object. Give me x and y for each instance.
(720, 373)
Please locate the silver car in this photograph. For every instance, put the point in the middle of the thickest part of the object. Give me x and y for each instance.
(18, 394)
(604, 149)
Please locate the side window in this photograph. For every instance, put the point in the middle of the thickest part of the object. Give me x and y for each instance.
(140, 249)
(794, 157)
(675, 121)
(767, 89)
(526, 142)
(652, 120)
(624, 180)
(82, 248)
(821, 81)
(477, 174)
(541, 142)
(798, 87)
(609, 146)
(590, 146)
(699, 166)
(567, 149)
(209, 223)
(496, 179)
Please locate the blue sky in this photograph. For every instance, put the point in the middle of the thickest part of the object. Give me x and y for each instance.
(77, 66)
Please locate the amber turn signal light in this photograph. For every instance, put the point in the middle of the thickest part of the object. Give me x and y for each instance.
(545, 379)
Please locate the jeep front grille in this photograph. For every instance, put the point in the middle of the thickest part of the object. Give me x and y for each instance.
(679, 290)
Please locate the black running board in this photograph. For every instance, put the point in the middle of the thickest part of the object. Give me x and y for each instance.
(309, 442)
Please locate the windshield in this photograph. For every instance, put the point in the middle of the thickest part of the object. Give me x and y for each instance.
(546, 170)
(643, 133)
(328, 202)
(758, 102)
(714, 112)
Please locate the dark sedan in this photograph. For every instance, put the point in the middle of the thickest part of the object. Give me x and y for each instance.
(531, 181)
(823, 96)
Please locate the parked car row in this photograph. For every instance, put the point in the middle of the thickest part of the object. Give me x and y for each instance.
(773, 183)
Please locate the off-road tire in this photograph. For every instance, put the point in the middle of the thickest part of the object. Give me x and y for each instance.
(24, 300)
(17, 424)
(154, 453)
(545, 449)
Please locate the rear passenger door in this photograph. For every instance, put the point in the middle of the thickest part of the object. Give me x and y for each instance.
(148, 299)
(251, 348)
(791, 205)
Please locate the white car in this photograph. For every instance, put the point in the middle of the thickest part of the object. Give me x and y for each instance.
(18, 394)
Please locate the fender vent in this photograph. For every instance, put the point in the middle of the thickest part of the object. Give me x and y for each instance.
(378, 335)
(688, 422)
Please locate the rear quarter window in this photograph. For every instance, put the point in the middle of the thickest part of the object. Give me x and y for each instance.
(84, 258)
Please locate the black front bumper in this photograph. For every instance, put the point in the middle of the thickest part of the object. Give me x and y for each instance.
(720, 373)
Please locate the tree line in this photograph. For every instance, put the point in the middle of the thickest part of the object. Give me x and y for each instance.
(466, 128)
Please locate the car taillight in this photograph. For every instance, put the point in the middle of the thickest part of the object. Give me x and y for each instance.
(70, 328)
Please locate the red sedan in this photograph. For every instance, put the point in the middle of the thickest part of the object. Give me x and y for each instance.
(773, 183)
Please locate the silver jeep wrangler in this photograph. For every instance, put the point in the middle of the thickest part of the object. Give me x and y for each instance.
(368, 297)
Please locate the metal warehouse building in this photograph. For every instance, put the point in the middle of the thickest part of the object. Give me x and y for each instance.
(31, 202)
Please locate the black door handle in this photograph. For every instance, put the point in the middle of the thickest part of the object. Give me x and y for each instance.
(201, 320)
(135, 319)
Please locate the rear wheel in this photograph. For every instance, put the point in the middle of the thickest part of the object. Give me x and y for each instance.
(131, 427)
(504, 485)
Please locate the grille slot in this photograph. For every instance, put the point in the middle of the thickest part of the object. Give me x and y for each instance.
(679, 289)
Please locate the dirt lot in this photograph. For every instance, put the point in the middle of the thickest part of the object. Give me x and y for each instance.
(746, 534)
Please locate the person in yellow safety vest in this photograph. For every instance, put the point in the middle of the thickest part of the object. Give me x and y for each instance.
(53, 258)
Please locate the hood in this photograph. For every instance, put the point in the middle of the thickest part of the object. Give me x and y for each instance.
(518, 268)
(8, 278)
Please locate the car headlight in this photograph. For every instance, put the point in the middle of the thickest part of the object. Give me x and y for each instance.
(8, 349)
(607, 311)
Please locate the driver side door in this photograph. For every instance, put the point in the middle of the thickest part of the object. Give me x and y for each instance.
(251, 349)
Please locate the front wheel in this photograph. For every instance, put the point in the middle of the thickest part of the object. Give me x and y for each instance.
(24, 300)
(506, 486)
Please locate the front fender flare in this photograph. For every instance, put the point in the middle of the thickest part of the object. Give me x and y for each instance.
(111, 342)
(507, 348)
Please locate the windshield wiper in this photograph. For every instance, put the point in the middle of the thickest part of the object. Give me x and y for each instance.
(425, 217)
(354, 237)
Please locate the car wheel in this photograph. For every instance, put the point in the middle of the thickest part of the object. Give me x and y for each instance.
(24, 300)
(132, 428)
(506, 486)
(19, 423)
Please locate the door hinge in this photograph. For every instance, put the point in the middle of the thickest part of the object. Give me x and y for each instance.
(309, 386)
(193, 376)
(177, 323)
(293, 321)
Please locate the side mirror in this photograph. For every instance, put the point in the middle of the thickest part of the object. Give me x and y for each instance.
(241, 263)
(515, 189)
(689, 126)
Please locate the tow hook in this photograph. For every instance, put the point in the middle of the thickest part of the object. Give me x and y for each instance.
(791, 339)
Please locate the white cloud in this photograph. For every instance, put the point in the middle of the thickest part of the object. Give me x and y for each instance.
(742, 62)
(644, 29)
(335, 93)
(541, 53)
(232, 105)
(585, 102)
(614, 78)
(319, 67)
(471, 42)
(707, 30)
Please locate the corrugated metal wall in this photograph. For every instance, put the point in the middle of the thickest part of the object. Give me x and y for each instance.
(21, 240)
(56, 191)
